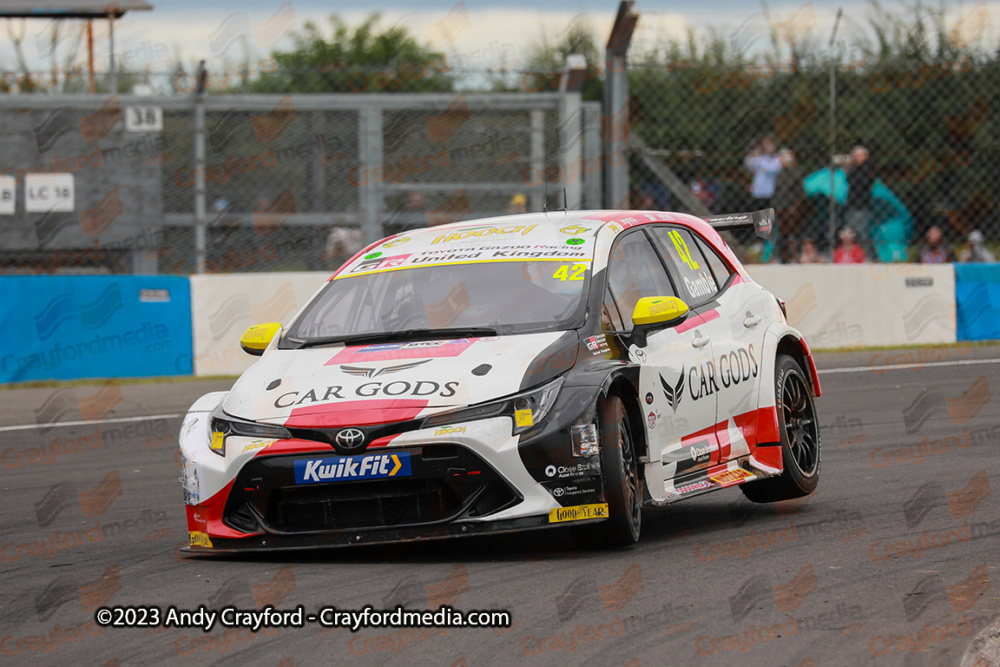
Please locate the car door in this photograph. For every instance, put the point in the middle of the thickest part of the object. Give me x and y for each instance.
(678, 418)
(730, 310)
(748, 310)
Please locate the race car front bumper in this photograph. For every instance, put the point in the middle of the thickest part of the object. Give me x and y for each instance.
(428, 484)
(283, 495)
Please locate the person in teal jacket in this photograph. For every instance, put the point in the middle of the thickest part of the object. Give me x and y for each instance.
(891, 224)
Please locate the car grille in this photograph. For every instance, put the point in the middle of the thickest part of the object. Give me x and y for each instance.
(447, 482)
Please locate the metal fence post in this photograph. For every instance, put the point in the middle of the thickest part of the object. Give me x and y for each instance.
(571, 129)
(569, 144)
(616, 110)
(832, 231)
(615, 138)
(113, 65)
(372, 197)
(538, 154)
(592, 155)
(200, 250)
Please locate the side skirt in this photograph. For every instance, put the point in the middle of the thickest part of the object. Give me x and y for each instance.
(763, 462)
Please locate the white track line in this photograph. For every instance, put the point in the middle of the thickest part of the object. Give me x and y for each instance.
(853, 369)
(899, 367)
(22, 427)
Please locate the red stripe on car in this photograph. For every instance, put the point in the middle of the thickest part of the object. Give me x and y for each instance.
(356, 413)
(697, 320)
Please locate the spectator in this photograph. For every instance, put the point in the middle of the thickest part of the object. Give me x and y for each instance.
(858, 210)
(848, 251)
(518, 204)
(342, 243)
(415, 214)
(764, 165)
(704, 190)
(791, 207)
(809, 253)
(974, 252)
(934, 252)
(647, 199)
(406, 214)
(715, 189)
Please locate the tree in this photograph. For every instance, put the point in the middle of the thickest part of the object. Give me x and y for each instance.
(365, 60)
(546, 61)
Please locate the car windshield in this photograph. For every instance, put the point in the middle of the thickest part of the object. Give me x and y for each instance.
(489, 298)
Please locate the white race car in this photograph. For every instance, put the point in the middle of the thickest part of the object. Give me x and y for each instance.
(508, 374)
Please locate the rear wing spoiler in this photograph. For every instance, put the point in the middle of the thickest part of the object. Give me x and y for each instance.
(761, 222)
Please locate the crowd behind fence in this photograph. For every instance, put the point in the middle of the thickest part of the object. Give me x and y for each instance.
(919, 141)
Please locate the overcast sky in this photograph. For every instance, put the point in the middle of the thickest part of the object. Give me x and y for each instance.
(474, 32)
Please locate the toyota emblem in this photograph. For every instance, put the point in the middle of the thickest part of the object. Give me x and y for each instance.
(350, 438)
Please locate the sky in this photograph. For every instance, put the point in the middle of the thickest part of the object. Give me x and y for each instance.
(474, 33)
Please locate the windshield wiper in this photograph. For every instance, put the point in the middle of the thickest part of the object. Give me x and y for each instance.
(405, 334)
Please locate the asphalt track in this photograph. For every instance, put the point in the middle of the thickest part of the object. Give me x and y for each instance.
(892, 561)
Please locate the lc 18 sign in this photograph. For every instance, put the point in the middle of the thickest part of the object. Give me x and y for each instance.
(48, 192)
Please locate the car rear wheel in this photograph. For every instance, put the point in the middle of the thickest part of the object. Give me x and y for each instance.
(800, 442)
(622, 487)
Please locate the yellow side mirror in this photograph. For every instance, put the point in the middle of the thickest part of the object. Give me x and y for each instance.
(256, 339)
(658, 309)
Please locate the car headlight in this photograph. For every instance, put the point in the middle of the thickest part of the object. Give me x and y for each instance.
(526, 410)
(224, 426)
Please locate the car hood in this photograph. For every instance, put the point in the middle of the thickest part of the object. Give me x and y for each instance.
(388, 382)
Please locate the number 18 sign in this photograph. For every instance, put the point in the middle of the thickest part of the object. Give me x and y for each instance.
(144, 119)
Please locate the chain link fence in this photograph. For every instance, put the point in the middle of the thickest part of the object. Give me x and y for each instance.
(908, 124)
(226, 183)
(251, 177)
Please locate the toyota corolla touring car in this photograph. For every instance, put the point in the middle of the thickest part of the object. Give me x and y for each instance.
(513, 373)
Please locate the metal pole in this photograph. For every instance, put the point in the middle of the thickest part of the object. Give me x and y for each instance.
(833, 135)
(571, 128)
(538, 156)
(114, 66)
(92, 85)
(372, 157)
(199, 171)
(616, 137)
(592, 183)
(616, 95)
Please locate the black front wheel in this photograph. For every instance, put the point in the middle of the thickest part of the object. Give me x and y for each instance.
(622, 485)
(799, 429)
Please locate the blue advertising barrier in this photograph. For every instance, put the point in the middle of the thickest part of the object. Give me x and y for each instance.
(69, 327)
(977, 301)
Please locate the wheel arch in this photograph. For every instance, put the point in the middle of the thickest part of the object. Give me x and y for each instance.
(780, 339)
(208, 402)
(625, 386)
(797, 348)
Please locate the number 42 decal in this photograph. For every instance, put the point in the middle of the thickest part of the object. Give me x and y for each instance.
(683, 250)
(570, 272)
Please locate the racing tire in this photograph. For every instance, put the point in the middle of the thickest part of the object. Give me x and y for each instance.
(622, 485)
(798, 427)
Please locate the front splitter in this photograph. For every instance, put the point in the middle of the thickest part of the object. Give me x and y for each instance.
(348, 538)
